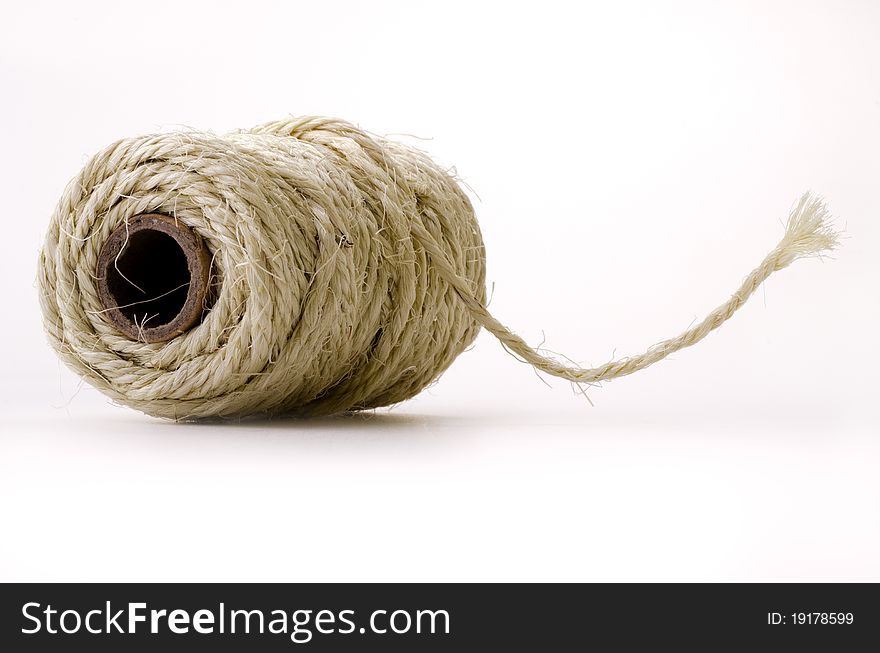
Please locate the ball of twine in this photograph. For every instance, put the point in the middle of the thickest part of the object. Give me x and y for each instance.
(340, 271)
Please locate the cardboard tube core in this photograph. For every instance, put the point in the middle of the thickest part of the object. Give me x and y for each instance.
(153, 277)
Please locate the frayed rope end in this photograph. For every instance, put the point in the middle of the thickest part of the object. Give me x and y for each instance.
(809, 232)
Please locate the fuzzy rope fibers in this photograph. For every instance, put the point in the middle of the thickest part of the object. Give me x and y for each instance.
(348, 272)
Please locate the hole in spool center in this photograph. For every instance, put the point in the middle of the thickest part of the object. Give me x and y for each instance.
(149, 279)
(152, 277)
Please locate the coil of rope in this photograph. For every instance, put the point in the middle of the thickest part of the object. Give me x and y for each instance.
(302, 267)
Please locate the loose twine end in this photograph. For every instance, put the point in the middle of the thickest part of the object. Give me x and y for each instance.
(809, 232)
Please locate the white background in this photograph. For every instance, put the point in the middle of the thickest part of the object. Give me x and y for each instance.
(633, 162)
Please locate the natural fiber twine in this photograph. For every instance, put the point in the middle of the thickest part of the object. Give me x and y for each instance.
(347, 272)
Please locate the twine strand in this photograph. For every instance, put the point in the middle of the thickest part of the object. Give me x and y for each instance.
(808, 233)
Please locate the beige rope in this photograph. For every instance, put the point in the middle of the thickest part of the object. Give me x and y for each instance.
(807, 234)
(349, 273)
